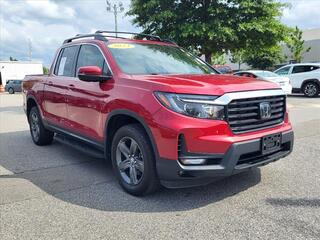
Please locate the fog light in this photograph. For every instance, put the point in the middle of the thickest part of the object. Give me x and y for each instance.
(196, 161)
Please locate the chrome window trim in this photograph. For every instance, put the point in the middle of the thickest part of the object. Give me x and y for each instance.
(76, 44)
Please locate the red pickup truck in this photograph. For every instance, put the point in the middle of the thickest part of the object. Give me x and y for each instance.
(160, 114)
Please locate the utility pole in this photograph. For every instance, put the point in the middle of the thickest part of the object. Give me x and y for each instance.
(30, 48)
(115, 9)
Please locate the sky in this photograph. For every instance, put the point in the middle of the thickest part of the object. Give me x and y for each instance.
(46, 23)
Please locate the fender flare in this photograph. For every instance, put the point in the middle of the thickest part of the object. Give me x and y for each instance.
(35, 100)
(139, 119)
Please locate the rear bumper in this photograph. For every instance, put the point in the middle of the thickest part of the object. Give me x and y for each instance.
(241, 156)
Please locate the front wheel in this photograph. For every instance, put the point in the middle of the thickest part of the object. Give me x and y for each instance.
(39, 134)
(11, 91)
(311, 89)
(133, 160)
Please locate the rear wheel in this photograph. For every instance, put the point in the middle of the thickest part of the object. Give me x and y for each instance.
(133, 160)
(311, 89)
(11, 91)
(39, 134)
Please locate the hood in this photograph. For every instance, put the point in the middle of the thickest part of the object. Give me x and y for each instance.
(277, 79)
(216, 84)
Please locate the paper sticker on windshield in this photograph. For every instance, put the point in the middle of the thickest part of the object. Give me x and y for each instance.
(120, 45)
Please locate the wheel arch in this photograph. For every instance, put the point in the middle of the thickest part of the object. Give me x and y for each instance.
(122, 117)
(314, 80)
(31, 102)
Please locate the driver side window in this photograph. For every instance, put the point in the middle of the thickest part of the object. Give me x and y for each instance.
(90, 55)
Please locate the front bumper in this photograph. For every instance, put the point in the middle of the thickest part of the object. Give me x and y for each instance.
(241, 156)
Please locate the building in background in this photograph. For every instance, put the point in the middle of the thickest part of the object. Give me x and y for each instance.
(16, 70)
(311, 38)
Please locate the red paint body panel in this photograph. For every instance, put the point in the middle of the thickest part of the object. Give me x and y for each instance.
(84, 107)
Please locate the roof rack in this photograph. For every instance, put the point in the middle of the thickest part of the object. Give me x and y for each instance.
(137, 35)
(100, 35)
(78, 36)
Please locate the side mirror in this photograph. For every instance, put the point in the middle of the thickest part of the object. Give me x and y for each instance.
(92, 74)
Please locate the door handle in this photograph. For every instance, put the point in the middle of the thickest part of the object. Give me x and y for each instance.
(50, 83)
(71, 86)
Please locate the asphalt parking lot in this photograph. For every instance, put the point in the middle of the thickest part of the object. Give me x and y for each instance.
(55, 192)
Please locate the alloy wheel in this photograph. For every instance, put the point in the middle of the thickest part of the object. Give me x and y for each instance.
(310, 90)
(35, 127)
(130, 161)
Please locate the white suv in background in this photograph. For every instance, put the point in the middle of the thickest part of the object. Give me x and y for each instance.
(304, 77)
(284, 82)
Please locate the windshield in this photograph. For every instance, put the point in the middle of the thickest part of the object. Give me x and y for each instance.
(267, 74)
(156, 59)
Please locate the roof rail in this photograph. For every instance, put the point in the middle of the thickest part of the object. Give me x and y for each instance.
(100, 35)
(147, 36)
(78, 36)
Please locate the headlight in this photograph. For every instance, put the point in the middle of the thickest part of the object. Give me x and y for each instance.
(198, 106)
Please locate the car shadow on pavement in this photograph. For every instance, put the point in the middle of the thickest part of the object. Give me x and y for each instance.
(300, 95)
(75, 178)
(290, 202)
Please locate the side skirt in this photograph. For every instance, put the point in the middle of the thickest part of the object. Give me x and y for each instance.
(83, 144)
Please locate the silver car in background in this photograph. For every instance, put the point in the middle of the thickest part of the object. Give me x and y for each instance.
(13, 86)
(284, 82)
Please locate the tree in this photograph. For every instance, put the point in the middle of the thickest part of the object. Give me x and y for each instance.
(295, 43)
(45, 70)
(238, 56)
(210, 26)
(218, 59)
(264, 58)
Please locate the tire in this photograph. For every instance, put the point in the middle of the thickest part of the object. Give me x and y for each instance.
(39, 134)
(11, 91)
(310, 89)
(134, 166)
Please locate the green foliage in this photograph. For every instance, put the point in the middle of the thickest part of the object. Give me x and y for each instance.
(295, 43)
(264, 58)
(45, 70)
(210, 26)
(218, 59)
(238, 56)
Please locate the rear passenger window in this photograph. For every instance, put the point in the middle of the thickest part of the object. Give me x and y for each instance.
(66, 62)
(90, 55)
(301, 69)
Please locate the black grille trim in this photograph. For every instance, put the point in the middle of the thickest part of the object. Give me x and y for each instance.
(243, 114)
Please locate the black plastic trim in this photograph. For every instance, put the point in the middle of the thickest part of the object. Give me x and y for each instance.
(137, 118)
(173, 175)
(26, 106)
(69, 133)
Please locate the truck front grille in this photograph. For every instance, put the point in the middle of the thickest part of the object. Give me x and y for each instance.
(244, 114)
